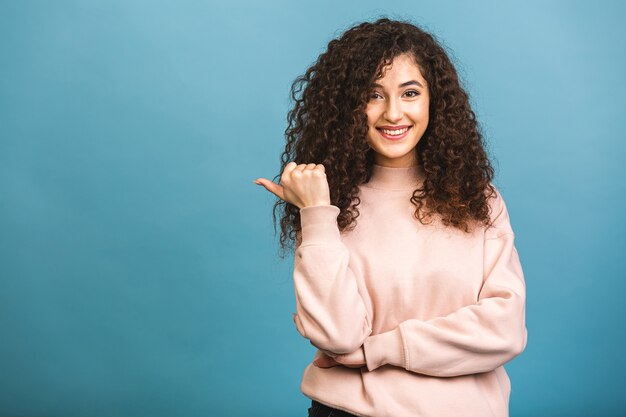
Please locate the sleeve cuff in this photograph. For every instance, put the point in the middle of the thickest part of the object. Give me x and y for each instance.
(384, 348)
(319, 224)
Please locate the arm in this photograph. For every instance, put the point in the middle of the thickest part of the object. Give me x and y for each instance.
(476, 338)
(330, 310)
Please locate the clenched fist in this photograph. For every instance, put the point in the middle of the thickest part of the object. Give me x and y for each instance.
(302, 185)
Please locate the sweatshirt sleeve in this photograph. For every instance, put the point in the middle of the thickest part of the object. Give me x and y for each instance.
(476, 338)
(330, 310)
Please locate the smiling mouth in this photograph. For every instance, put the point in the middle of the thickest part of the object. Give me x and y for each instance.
(394, 134)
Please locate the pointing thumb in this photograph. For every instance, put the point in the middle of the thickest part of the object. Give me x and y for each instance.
(272, 187)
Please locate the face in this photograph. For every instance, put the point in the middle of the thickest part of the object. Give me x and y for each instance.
(397, 113)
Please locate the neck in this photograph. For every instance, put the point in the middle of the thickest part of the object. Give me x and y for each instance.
(396, 178)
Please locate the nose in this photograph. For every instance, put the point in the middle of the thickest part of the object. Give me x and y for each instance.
(393, 111)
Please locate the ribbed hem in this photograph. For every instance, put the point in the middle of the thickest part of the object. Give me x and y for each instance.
(319, 224)
(384, 348)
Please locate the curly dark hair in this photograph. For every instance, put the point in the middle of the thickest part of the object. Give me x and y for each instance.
(328, 125)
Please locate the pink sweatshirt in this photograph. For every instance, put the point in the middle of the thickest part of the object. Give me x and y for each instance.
(436, 311)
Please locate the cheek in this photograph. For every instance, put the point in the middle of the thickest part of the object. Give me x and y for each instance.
(372, 115)
(420, 110)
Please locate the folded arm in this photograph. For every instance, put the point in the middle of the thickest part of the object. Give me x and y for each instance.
(475, 338)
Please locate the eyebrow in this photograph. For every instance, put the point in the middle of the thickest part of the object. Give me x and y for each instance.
(411, 82)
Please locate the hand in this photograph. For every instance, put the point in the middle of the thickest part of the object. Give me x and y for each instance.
(354, 359)
(302, 185)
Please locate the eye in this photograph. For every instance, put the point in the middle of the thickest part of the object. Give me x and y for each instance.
(374, 94)
(413, 91)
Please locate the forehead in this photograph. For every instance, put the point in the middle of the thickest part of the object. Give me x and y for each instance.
(403, 68)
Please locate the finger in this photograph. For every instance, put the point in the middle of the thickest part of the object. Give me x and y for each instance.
(289, 167)
(272, 187)
(310, 167)
(288, 170)
(350, 364)
(325, 362)
(320, 166)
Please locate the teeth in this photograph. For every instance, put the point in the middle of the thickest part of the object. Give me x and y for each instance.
(395, 132)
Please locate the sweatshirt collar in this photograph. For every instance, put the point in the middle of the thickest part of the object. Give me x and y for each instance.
(391, 178)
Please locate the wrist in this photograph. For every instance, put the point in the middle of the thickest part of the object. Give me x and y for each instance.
(315, 205)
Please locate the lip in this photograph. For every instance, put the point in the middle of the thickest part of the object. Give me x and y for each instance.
(398, 137)
(392, 127)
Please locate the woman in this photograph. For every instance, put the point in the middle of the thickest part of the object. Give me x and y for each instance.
(406, 275)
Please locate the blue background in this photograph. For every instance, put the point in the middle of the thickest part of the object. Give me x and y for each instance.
(139, 269)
